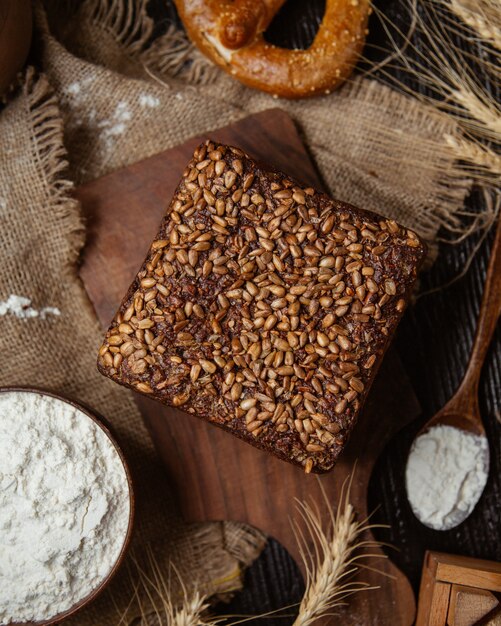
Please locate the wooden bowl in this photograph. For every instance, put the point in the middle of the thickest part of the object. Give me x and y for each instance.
(15, 38)
(101, 422)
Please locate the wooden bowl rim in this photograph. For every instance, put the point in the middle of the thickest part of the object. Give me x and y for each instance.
(101, 423)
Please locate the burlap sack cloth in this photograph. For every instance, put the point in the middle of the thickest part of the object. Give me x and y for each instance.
(119, 98)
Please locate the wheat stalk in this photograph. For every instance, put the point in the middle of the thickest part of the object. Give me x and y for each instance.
(475, 153)
(154, 599)
(481, 16)
(450, 85)
(444, 70)
(332, 556)
(192, 613)
(478, 107)
(334, 562)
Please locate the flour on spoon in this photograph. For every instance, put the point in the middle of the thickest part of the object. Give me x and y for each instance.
(446, 473)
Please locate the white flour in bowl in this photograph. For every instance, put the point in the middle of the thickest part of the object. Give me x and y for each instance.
(64, 506)
(446, 474)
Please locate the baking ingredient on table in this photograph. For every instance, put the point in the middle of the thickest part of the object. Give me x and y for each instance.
(110, 129)
(446, 473)
(231, 34)
(64, 506)
(20, 306)
(149, 101)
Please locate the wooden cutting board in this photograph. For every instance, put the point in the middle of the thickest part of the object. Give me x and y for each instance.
(216, 475)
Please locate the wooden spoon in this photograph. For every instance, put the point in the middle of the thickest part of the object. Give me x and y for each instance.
(462, 411)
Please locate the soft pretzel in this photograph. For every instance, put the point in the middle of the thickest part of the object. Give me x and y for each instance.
(230, 32)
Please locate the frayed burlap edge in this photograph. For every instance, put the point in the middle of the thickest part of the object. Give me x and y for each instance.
(47, 136)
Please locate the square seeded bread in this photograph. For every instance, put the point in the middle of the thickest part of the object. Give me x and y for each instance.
(263, 307)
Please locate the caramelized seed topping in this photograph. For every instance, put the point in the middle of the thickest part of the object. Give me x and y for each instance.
(263, 306)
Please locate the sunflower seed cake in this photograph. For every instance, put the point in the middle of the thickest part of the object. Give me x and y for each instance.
(263, 307)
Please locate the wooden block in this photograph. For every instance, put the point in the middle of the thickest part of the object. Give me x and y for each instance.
(458, 591)
(482, 579)
(439, 605)
(426, 590)
(468, 605)
(467, 571)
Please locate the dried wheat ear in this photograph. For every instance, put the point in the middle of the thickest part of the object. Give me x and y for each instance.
(264, 307)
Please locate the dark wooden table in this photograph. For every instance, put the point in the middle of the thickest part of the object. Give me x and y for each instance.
(433, 341)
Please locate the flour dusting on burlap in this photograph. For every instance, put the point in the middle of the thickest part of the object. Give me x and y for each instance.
(119, 97)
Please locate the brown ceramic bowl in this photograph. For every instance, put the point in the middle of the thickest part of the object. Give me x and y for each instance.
(97, 419)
